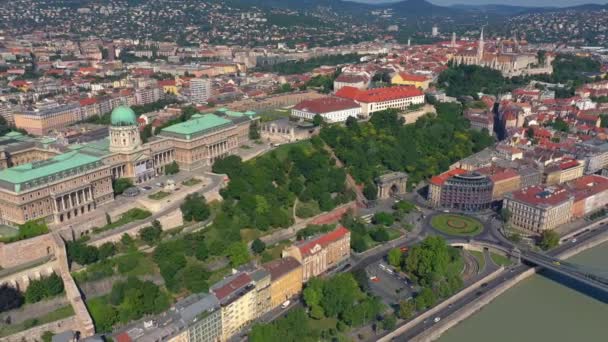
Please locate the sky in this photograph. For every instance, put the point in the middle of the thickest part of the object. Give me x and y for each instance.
(552, 3)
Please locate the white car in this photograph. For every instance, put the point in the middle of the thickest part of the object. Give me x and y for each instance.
(437, 319)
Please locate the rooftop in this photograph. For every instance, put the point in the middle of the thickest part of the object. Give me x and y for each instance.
(60, 164)
(280, 267)
(306, 247)
(538, 195)
(440, 179)
(379, 94)
(197, 124)
(326, 105)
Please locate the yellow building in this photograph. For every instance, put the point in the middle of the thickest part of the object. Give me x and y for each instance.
(562, 172)
(417, 81)
(286, 280)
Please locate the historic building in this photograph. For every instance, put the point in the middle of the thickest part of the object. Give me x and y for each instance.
(331, 109)
(286, 279)
(41, 121)
(461, 190)
(43, 180)
(510, 61)
(537, 208)
(319, 254)
(374, 100)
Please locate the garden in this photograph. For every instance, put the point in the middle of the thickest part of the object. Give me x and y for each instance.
(457, 225)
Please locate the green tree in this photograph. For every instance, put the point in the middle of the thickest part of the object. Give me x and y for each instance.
(47, 336)
(549, 239)
(195, 278)
(195, 208)
(317, 120)
(406, 309)
(150, 235)
(238, 254)
(383, 218)
(370, 191)
(380, 234)
(394, 257)
(505, 214)
(106, 250)
(121, 184)
(389, 322)
(426, 298)
(172, 168)
(254, 130)
(258, 246)
(31, 229)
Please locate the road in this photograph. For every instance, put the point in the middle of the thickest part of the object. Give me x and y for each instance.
(510, 273)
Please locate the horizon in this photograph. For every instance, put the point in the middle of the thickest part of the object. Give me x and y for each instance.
(524, 3)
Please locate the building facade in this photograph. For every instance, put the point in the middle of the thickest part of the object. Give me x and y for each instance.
(317, 255)
(536, 209)
(331, 109)
(374, 100)
(470, 191)
(237, 296)
(200, 90)
(42, 121)
(286, 279)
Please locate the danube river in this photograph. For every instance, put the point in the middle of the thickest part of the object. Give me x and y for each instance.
(540, 309)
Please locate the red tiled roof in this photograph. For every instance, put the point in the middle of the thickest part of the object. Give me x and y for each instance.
(412, 77)
(123, 337)
(87, 101)
(568, 164)
(280, 267)
(538, 195)
(166, 83)
(440, 179)
(379, 94)
(349, 78)
(235, 284)
(587, 186)
(323, 240)
(326, 105)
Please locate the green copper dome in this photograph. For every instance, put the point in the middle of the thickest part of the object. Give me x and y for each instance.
(123, 116)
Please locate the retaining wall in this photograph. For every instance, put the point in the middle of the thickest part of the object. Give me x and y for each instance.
(35, 333)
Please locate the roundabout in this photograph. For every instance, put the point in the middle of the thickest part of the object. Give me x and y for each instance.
(457, 225)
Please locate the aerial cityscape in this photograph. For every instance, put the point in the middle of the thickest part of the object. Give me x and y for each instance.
(319, 170)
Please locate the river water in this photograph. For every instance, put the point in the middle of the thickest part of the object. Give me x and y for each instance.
(539, 309)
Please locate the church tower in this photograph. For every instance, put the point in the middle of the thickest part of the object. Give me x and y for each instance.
(124, 134)
(480, 47)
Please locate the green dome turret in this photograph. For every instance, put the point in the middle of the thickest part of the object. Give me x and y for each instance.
(123, 116)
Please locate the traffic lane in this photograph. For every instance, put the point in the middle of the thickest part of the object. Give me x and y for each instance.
(429, 322)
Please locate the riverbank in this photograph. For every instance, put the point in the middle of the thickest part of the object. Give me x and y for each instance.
(472, 307)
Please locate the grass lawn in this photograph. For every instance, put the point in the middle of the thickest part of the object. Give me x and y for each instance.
(457, 225)
(129, 216)
(159, 195)
(500, 260)
(323, 324)
(393, 234)
(457, 266)
(61, 313)
(249, 234)
(282, 150)
(191, 182)
(274, 114)
(481, 259)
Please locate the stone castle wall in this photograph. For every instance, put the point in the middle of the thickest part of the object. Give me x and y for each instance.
(24, 251)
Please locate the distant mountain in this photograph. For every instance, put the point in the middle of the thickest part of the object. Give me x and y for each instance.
(416, 8)
(505, 10)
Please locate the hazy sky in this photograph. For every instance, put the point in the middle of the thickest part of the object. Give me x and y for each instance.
(503, 2)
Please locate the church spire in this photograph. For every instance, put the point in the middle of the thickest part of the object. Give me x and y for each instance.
(480, 47)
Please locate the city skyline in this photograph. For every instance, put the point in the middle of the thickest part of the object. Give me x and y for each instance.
(530, 3)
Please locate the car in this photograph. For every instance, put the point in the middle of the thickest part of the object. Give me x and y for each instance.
(374, 279)
(556, 263)
(574, 240)
(285, 304)
(484, 285)
(437, 319)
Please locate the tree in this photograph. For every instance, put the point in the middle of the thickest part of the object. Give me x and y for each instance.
(32, 228)
(195, 278)
(10, 298)
(47, 336)
(389, 322)
(238, 254)
(195, 208)
(150, 235)
(549, 239)
(81, 253)
(394, 257)
(106, 250)
(505, 214)
(406, 309)
(380, 234)
(254, 130)
(121, 184)
(530, 133)
(317, 120)
(370, 191)
(42, 288)
(383, 218)
(172, 168)
(426, 298)
(258, 246)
